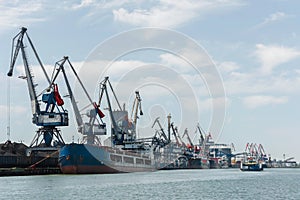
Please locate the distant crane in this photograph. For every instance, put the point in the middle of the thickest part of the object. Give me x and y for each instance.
(162, 132)
(202, 136)
(136, 107)
(174, 131)
(54, 114)
(190, 145)
(121, 129)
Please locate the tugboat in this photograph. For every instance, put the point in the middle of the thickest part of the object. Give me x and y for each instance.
(251, 163)
(252, 160)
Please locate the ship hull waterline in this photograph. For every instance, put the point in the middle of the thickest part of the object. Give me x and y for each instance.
(91, 159)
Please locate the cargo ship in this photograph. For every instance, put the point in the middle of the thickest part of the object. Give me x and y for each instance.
(124, 153)
(90, 159)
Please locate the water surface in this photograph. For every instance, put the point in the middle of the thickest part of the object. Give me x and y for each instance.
(174, 184)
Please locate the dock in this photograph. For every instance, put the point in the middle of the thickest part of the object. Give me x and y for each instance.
(16, 171)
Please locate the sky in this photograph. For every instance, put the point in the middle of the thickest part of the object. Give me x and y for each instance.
(233, 66)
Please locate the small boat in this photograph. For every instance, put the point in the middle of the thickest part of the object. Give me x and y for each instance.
(251, 163)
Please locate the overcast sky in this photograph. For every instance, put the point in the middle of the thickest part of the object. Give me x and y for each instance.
(247, 54)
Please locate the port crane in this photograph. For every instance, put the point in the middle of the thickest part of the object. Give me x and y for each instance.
(136, 107)
(53, 115)
(121, 130)
(202, 136)
(190, 145)
(92, 128)
(162, 139)
(175, 133)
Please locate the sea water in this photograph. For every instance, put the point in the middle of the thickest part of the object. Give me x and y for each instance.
(172, 184)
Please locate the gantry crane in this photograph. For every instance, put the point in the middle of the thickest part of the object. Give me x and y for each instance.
(53, 115)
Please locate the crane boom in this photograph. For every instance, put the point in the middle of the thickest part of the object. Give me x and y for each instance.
(31, 86)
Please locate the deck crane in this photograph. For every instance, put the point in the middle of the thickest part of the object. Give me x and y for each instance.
(137, 106)
(190, 145)
(95, 126)
(54, 115)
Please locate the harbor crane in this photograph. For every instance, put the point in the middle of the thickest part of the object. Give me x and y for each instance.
(53, 115)
(190, 145)
(161, 132)
(137, 106)
(94, 126)
(202, 136)
(174, 131)
(121, 130)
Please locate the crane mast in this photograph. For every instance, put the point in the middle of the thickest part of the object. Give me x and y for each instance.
(48, 119)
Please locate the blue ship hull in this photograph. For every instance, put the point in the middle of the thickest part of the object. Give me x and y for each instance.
(92, 159)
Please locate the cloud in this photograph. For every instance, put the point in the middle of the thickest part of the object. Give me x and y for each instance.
(83, 4)
(273, 55)
(228, 66)
(16, 110)
(170, 14)
(239, 82)
(274, 17)
(263, 100)
(96, 4)
(19, 13)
